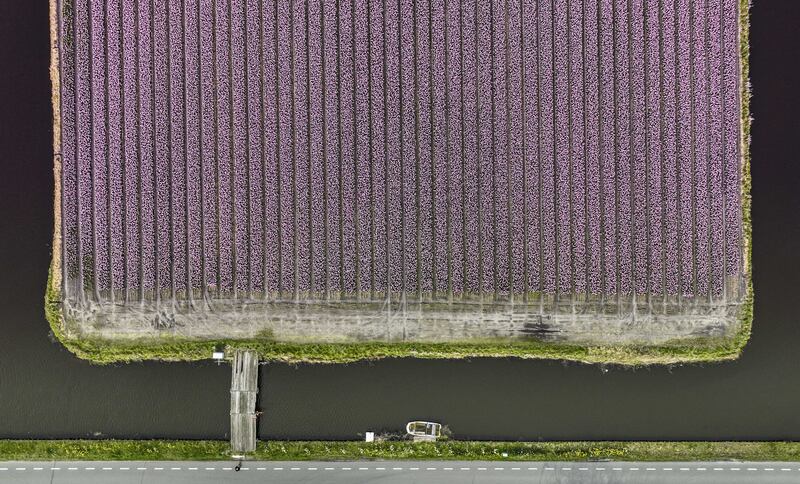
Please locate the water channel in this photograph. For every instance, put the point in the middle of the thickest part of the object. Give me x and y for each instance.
(45, 392)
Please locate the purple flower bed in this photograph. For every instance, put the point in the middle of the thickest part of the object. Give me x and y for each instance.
(416, 145)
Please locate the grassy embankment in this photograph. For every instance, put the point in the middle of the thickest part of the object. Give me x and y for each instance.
(105, 351)
(448, 450)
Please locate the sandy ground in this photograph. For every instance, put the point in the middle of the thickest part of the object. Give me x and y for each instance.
(592, 322)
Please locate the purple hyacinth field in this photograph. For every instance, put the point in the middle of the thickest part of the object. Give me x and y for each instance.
(503, 167)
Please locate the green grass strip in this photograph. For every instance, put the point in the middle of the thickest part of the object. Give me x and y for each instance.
(204, 450)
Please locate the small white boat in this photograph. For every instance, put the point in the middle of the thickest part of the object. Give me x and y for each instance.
(421, 430)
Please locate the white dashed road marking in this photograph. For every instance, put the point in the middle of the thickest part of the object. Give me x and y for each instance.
(759, 468)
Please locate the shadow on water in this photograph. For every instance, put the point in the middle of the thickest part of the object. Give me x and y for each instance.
(46, 392)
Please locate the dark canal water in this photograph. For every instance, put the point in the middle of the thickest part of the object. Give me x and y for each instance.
(47, 393)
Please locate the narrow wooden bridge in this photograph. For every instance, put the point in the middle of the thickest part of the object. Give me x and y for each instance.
(244, 390)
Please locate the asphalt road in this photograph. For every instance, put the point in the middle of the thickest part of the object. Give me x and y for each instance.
(399, 472)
